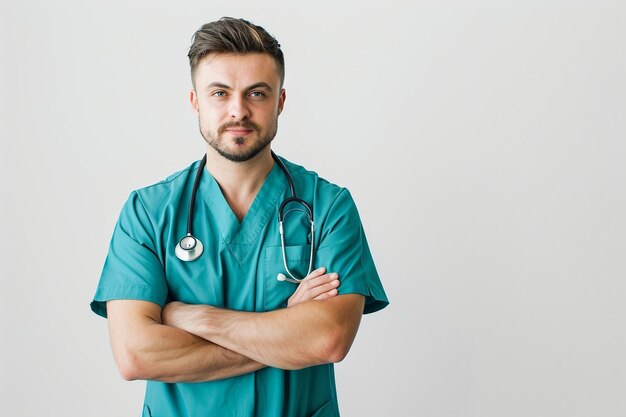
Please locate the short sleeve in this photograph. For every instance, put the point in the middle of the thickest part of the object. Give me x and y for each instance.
(132, 270)
(344, 249)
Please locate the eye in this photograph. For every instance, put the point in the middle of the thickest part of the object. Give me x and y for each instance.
(219, 93)
(257, 94)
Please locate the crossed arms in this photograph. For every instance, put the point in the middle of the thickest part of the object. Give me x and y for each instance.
(193, 343)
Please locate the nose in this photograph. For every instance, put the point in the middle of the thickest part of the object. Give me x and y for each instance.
(238, 108)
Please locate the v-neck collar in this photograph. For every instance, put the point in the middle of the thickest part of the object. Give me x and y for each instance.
(239, 237)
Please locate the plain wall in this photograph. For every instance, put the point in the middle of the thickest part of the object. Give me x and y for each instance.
(483, 141)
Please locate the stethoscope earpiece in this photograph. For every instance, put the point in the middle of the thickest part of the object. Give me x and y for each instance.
(281, 277)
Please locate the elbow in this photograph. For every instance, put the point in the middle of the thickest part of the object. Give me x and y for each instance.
(336, 347)
(129, 366)
(330, 348)
(338, 353)
(128, 373)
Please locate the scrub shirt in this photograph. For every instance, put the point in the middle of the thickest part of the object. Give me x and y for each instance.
(238, 270)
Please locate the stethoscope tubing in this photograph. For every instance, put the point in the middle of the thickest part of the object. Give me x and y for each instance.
(194, 192)
(190, 248)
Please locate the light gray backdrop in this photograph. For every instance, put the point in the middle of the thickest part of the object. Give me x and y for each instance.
(484, 143)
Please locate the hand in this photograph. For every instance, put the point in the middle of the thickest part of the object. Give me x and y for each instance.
(173, 313)
(316, 286)
(184, 316)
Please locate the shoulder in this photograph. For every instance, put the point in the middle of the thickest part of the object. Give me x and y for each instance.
(151, 203)
(309, 181)
(167, 190)
(333, 205)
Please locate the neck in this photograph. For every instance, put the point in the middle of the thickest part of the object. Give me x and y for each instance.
(240, 181)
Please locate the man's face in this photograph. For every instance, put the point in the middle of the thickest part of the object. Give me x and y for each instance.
(238, 98)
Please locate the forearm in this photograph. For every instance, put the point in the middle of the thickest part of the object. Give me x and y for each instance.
(146, 349)
(307, 334)
(282, 338)
(172, 355)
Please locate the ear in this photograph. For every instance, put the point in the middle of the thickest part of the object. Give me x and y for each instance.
(281, 100)
(193, 99)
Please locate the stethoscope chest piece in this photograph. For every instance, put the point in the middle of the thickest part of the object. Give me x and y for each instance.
(189, 248)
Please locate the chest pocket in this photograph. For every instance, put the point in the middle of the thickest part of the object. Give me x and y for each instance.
(276, 293)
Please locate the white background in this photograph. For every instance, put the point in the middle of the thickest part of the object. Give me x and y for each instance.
(483, 141)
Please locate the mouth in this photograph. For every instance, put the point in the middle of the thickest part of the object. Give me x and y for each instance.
(239, 131)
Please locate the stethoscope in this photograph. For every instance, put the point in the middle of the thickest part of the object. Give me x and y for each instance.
(189, 248)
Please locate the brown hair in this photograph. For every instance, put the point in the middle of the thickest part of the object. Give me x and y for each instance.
(238, 36)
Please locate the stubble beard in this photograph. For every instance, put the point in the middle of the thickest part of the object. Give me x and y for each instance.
(216, 141)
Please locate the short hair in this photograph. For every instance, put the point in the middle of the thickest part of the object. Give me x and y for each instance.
(237, 36)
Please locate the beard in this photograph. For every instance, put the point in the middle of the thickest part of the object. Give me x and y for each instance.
(217, 141)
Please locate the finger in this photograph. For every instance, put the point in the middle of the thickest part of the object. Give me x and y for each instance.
(306, 292)
(314, 292)
(316, 273)
(313, 286)
(321, 280)
(327, 295)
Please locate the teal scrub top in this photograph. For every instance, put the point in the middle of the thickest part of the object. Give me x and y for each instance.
(238, 270)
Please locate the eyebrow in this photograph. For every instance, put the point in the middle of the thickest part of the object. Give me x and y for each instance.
(261, 84)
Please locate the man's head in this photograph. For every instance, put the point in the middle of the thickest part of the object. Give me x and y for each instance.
(234, 36)
(237, 70)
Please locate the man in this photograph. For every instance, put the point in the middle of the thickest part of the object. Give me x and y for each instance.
(252, 345)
